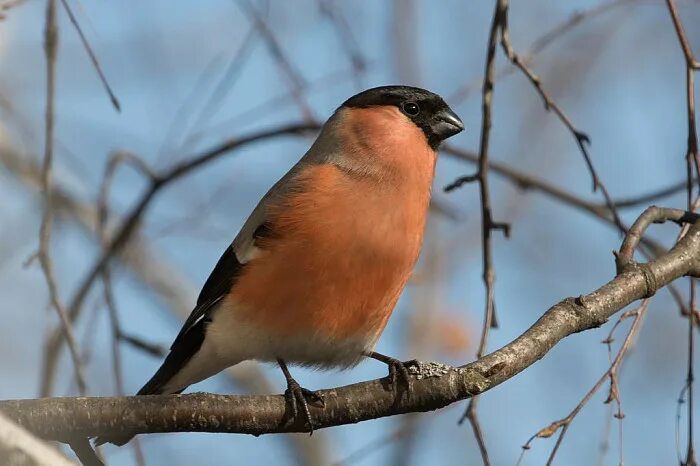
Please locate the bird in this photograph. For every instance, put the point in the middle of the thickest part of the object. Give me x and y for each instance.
(316, 270)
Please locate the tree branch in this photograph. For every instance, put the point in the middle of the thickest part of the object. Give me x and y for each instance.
(433, 386)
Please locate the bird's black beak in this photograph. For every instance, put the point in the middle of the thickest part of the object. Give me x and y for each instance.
(446, 124)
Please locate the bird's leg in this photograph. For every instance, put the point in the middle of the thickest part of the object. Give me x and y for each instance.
(397, 369)
(295, 393)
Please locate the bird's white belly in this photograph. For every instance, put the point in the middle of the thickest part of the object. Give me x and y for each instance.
(234, 340)
(230, 340)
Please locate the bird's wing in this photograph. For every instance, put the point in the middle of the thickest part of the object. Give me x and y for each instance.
(221, 280)
(216, 287)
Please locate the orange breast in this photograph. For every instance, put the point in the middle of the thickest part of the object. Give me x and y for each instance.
(338, 262)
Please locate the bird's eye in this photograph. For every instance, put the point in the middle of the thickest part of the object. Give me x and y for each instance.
(410, 108)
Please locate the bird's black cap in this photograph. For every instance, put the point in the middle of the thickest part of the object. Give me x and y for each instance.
(426, 109)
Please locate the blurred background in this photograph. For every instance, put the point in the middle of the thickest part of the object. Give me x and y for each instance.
(190, 75)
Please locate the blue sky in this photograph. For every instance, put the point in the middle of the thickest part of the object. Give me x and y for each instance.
(619, 76)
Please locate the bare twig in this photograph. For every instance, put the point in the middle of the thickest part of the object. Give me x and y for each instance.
(50, 47)
(487, 223)
(227, 80)
(605, 438)
(147, 347)
(347, 38)
(645, 199)
(102, 218)
(562, 425)
(273, 103)
(176, 131)
(624, 259)
(371, 447)
(85, 453)
(295, 79)
(691, 65)
(582, 139)
(542, 42)
(93, 57)
(690, 453)
(685, 45)
(525, 181)
(680, 402)
(472, 416)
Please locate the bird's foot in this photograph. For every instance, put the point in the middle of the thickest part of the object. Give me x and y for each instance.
(399, 375)
(299, 397)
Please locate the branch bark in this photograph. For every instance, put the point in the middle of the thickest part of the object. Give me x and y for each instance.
(433, 385)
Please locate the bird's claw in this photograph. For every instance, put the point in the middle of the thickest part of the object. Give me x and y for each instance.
(296, 395)
(399, 374)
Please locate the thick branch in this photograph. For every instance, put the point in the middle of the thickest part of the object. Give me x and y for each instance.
(434, 386)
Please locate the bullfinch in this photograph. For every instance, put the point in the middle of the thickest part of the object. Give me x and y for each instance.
(315, 272)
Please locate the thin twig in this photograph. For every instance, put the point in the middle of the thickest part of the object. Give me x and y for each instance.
(562, 425)
(295, 79)
(685, 45)
(93, 57)
(680, 402)
(176, 131)
(653, 214)
(50, 48)
(139, 343)
(227, 81)
(102, 219)
(274, 103)
(85, 453)
(690, 453)
(542, 42)
(691, 65)
(525, 181)
(373, 446)
(582, 139)
(347, 38)
(605, 438)
(487, 223)
(651, 197)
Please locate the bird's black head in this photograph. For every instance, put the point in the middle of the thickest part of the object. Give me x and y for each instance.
(427, 110)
